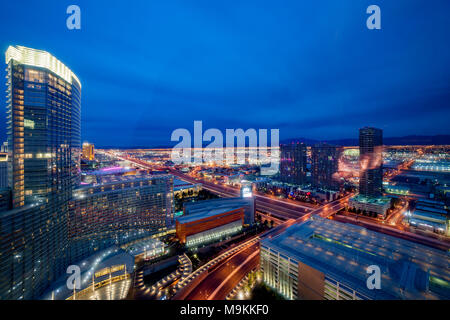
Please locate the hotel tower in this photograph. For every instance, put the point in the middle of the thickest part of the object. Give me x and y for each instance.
(43, 128)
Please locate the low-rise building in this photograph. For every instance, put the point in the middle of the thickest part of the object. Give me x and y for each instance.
(324, 259)
(248, 204)
(401, 190)
(209, 225)
(376, 205)
(430, 215)
(328, 195)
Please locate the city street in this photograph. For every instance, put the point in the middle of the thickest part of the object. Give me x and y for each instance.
(226, 275)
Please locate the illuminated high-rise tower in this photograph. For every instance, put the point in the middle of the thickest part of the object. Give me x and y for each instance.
(324, 166)
(43, 115)
(43, 128)
(88, 151)
(293, 163)
(370, 162)
(370, 200)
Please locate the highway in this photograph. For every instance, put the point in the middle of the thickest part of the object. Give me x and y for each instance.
(281, 209)
(325, 211)
(396, 218)
(222, 278)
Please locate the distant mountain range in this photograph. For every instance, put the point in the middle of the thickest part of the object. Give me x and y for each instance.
(389, 141)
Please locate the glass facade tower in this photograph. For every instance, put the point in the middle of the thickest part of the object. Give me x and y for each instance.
(43, 128)
(293, 163)
(115, 212)
(370, 162)
(324, 166)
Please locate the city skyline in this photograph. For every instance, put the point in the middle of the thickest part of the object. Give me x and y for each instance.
(328, 73)
(109, 202)
(225, 152)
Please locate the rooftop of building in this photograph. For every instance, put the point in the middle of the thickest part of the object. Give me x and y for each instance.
(180, 184)
(109, 257)
(432, 209)
(115, 179)
(420, 214)
(431, 202)
(343, 252)
(371, 200)
(216, 203)
(207, 212)
(427, 223)
(42, 59)
(144, 245)
(109, 170)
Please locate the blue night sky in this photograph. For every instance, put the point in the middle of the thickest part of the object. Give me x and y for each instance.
(310, 68)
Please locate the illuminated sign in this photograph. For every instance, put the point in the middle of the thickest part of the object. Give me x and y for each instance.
(247, 192)
(178, 214)
(102, 272)
(108, 270)
(117, 268)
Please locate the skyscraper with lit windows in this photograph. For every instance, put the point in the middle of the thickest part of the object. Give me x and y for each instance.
(117, 210)
(324, 166)
(43, 129)
(293, 163)
(88, 151)
(370, 162)
(370, 199)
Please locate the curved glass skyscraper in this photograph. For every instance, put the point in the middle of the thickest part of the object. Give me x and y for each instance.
(43, 123)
